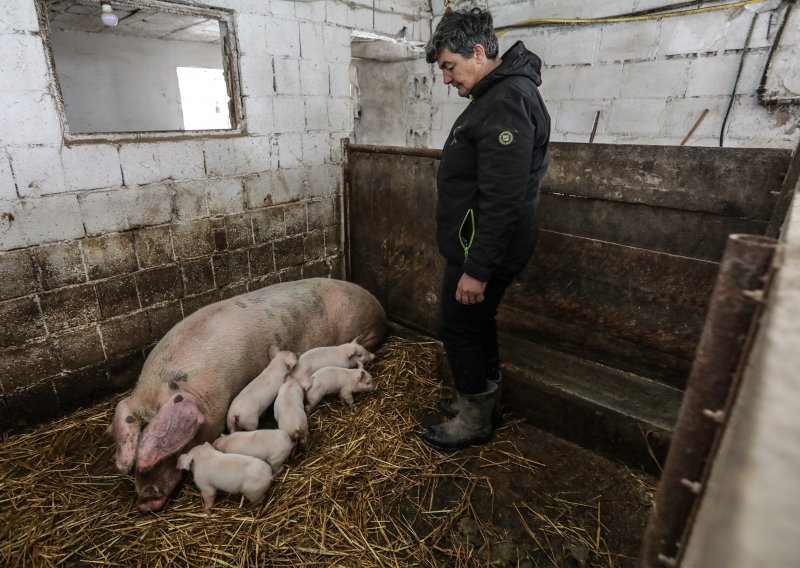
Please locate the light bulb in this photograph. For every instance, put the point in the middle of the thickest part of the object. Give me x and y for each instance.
(108, 16)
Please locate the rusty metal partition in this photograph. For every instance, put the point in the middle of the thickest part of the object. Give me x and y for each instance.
(628, 254)
(736, 306)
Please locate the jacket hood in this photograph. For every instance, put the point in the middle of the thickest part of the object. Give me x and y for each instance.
(516, 61)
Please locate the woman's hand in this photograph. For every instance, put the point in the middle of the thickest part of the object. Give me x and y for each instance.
(470, 290)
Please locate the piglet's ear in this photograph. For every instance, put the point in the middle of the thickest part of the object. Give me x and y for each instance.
(362, 375)
(173, 427)
(185, 461)
(352, 351)
(273, 351)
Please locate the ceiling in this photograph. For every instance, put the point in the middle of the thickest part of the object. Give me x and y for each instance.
(84, 15)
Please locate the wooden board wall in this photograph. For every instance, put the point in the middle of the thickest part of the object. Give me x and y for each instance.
(628, 251)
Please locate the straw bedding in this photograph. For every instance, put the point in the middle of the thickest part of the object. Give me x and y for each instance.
(366, 492)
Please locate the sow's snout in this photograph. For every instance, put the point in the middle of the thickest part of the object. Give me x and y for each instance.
(154, 486)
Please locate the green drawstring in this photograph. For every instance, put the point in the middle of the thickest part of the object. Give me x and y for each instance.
(466, 244)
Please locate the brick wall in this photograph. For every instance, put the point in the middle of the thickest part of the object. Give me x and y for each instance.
(104, 246)
(80, 315)
(650, 80)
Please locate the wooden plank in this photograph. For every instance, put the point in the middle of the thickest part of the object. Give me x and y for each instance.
(736, 182)
(594, 346)
(685, 233)
(621, 415)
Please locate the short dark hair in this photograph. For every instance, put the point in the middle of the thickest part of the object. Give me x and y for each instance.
(460, 32)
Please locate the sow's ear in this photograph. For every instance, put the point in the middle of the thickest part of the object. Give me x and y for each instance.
(173, 427)
(125, 429)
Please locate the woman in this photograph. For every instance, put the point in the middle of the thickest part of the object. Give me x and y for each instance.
(492, 166)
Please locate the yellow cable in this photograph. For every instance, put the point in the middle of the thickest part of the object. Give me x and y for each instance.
(611, 20)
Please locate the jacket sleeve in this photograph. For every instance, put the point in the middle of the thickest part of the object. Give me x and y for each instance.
(505, 148)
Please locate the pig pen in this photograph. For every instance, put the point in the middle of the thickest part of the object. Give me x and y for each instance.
(366, 492)
(596, 349)
(598, 333)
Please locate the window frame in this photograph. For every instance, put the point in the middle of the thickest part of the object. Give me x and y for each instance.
(230, 61)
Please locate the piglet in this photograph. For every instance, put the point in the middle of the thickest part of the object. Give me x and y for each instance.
(329, 380)
(347, 355)
(272, 446)
(289, 411)
(248, 405)
(232, 473)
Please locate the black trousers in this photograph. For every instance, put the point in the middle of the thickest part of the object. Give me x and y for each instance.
(469, 332)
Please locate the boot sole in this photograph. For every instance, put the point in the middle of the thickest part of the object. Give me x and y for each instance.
(452, 448)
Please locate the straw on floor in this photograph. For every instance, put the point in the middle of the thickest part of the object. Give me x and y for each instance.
(361, 494)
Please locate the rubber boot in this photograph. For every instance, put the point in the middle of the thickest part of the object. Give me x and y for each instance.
(449, 406)
(472, 424)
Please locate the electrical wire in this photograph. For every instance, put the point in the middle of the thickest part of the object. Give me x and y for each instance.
(736, 82)
(617, 19)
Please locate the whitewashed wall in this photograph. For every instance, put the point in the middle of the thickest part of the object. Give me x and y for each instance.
(649, 79)
(294, 58)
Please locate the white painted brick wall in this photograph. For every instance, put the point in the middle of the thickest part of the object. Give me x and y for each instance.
(317, 113)
(636, 116)
(682, 64)
(251, 32)
(340, 113)
(24, 66)
(315, 148)
(339, 78)
(557, 82)
(655, 79)
(578, 116)
(630, 40)
(190, 200)
(49, 218)
(283, 37)
(336, 41)
(311, 42)
(287, 76)
(324, 180)
(311, 10)
(661, 89)
(289, 114)
(19, 110)
(8, 191)
(712, 75)
(337, 13)
(572, 46)
(314, 79)
(596, 82)
(257, 76)
(37, 170)
(18, 17)
(260, 118)
(182, 160)
(283, 8)
(290, 150)
(361, 19)
(225, 196)
(681, 114)
(104, 170)
(140, 164)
